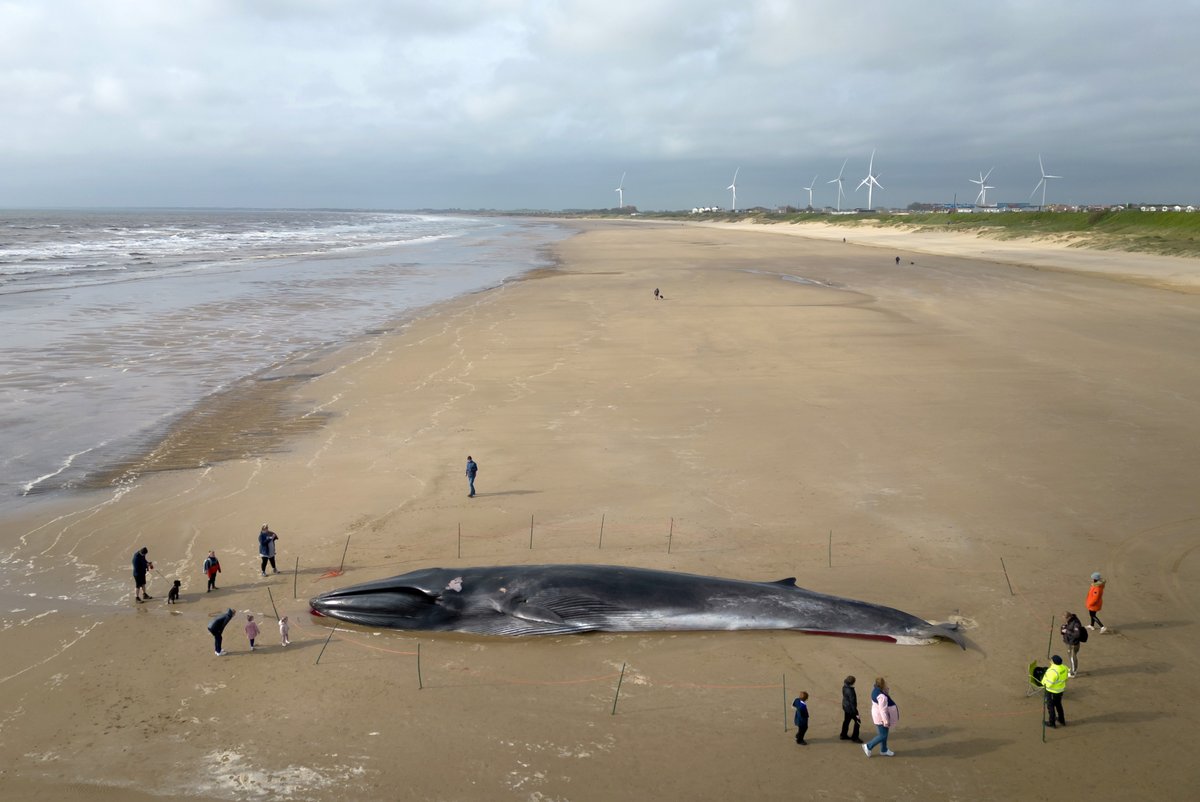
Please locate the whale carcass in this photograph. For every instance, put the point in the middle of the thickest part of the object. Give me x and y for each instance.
(567, 599)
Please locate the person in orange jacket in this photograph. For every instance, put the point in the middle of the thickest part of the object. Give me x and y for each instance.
(1095, 600)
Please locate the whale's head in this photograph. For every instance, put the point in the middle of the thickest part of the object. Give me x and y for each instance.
(411, 601)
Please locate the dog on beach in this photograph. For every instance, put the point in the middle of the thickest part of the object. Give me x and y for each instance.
(173, 593)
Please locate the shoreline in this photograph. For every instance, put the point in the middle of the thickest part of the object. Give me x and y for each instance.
(881, 427)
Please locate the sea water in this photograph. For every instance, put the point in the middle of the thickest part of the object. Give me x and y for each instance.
(113, 323)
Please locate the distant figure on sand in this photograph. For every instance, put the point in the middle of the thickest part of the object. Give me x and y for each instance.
(173, 593)
(656, 293)
(472, 469)
(217, 628)
(897, 260)
(1095, 600)
(283, 631)
(266, 548)
(212, 567)
(141, 566)
(1055, 683)
(885, 714)
(251, 630)
(1073, 634)
(801, 718)
(850, 710)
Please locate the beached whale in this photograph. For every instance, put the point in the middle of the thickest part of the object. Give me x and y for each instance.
(566, 599)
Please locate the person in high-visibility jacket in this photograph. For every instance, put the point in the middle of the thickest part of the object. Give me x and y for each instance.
(1055, 683)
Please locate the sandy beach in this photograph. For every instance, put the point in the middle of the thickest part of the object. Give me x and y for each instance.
(795, 406)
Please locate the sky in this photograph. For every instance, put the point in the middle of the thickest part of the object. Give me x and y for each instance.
(505, 104)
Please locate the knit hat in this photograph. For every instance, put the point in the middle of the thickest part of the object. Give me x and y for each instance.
(1056, 660)
(1095, 576)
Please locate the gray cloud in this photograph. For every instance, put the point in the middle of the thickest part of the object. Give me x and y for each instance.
(544, 104)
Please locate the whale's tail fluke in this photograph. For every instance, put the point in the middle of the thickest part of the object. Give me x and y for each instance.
(949, 631)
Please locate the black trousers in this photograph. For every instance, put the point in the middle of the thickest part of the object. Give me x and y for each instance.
(847, 718)
(270, 560)
(1054, 708)
(217, 641)
(801, 731)
(1096, 622)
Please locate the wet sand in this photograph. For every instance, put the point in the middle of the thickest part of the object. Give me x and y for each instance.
(880, 432)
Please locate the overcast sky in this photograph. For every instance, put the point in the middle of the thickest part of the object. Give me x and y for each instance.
(507, 104)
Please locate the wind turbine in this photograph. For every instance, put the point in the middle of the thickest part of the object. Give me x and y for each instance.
(620, 190)
(870, 181)
(809, 190)
(1042, 184)
(838, 181)
(981, 198)
(733, 188)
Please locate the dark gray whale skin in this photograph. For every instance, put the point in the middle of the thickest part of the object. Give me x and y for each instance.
(567, 599)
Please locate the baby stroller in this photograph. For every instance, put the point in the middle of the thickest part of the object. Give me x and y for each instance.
(1036, 673)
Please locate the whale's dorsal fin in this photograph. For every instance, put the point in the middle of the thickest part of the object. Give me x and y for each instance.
(790, 582)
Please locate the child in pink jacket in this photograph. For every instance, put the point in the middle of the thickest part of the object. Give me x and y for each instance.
(251, 630)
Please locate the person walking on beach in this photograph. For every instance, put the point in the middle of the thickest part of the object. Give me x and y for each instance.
(212, 567)
(1055, 683)
(1095, 600)
(801, 718)
(217, 628)
(141, 566)
(850, 710)
(266, 548)
(251, 629)
(656, 293)
(283, 631)
(885, 714)
(472, 469)
(1073, 634)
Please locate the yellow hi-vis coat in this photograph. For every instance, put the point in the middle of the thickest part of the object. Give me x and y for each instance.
(1055, 679)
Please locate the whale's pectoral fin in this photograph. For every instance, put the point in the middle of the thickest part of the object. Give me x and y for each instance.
(790, 582)
(527, 611)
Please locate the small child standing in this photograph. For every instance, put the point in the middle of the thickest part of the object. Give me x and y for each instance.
(801, 720)
(251, 630)
(283, 631)
(1095, 601)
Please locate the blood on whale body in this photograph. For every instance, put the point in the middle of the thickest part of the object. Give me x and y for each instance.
(515, 600)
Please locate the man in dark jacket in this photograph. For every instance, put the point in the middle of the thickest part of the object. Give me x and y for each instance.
(140, 567)
(217, 628)
(1073, 634)
(472, 469)
(850, 710)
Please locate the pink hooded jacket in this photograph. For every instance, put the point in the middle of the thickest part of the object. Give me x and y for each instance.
(883, 712)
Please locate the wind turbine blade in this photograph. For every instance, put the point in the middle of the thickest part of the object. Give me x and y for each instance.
(735, 175)
(1041, 166)
(1039, 186)
(985, 177)
(843, 167)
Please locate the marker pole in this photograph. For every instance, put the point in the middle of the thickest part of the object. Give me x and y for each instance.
(601, 544)
(531, 532)
(420, 684)
(670, 535)
(273, 607)
(1050, 640)
(785, 721)
(343, 565)
(830, 548)
(618, 693)
(326, 644)
(295, 577)
(1011, 592)
(460, 541)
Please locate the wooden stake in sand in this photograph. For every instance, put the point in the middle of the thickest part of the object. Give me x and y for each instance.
(343, 565)
(420, 684)
(670, 535)
(1006, 579)
(620, 679)
(530, 531)
(326, 644)
(785, 704)
(295, 577)
(830, 548)
(273, 607)
(600, 545)
(460, 541)
(1050, 640)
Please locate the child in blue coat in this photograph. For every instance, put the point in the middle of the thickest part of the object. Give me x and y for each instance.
(801, 720)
